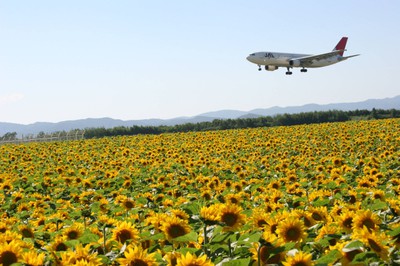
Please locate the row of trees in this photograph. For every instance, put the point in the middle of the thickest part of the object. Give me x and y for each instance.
(217, 124)
(265, 121)
(11, 137)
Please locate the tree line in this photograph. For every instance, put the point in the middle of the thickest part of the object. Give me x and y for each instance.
(217, 124)
(264, 121)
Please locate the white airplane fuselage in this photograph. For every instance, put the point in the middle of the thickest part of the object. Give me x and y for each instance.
(283, 59)
(272, 60)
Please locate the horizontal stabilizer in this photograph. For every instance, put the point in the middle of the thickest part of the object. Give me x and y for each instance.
(350, 56)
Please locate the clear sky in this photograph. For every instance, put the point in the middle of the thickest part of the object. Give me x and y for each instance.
(126, 59)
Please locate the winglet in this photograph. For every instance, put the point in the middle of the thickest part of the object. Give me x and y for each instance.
(341, 45)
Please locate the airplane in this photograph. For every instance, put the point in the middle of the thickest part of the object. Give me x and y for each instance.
(273, 61)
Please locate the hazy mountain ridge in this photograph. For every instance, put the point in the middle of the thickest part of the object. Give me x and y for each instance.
(47, 127)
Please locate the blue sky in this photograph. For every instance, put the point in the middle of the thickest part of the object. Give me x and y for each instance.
(65, 60)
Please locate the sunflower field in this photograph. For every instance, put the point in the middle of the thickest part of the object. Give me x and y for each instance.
(323, 194)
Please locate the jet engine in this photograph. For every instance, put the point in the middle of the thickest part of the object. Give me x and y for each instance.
(270, 68)
(294, 63)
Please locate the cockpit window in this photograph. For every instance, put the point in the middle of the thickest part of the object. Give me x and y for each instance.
(252, 54)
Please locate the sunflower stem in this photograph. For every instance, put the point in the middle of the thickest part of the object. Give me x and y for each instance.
(57, 222)
(205, 240)
(104, 239)
(229, 247)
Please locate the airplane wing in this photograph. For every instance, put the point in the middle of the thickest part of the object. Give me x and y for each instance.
(307, 60)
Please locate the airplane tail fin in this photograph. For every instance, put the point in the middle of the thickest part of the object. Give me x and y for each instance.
(341, 45)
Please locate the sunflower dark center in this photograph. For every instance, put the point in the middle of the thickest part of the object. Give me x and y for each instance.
(352, 199)
(234, 201)
(229, 219)
(27, 233)
(332, 241)
(72, 234)
(138, 262)
(307, 222)
(261, 223)
(375, 246)
(8, 257)
(129, 204)
(348, 222)
(293, 234)
(316, 216)
(300, 263)
(368, 223)
(124, 235)
(207, 196)
(61, 247)
(176, 230)
(273, 228)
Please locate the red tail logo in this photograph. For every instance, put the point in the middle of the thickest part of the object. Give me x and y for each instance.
(341, 45)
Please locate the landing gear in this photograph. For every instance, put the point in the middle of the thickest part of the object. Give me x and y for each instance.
(303, 70)
(259, 68)
(288, 72)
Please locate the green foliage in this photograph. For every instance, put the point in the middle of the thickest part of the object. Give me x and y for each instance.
(264, 121)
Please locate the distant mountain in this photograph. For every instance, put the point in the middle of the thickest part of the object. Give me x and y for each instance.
(225, 114)
(35, 128)
(387, 103)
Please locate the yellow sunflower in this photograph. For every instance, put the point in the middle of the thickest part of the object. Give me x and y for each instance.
(73, 232)
(26, 231)
(328, 230)
(233, 198)
(345, 221)
(305, 216)
(10, 253)
(3, 227)
(104, 204)
(265, 255)
(59, 244)
(41, 220)
(84, 254)
(9, 236)
(273, 221)
(33, 258)
(209, 214)
(155, 219)
(174, 227)
(374, 240)
(180, 214)
(231, 217)
(319, 214)
(260, 218)
(365, 218)
(136, 256)
(347, 255)
(125, 231)
(291, 230)
(172, 258)
(206, 194)
(193, 260)
(299, 259)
